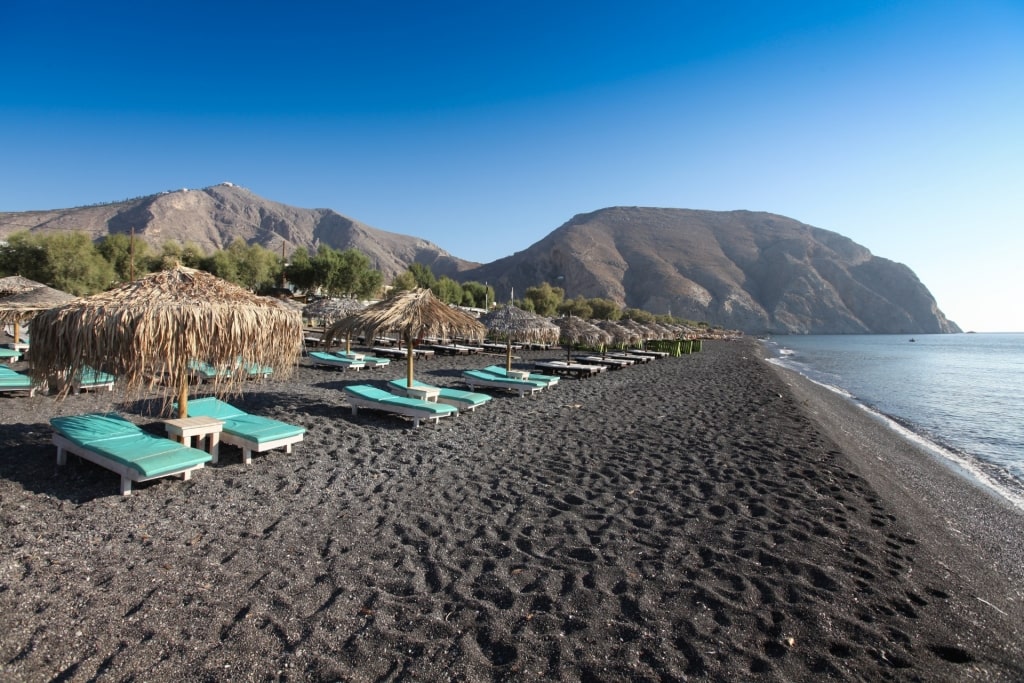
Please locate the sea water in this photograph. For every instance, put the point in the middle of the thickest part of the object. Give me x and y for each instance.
(960, 395)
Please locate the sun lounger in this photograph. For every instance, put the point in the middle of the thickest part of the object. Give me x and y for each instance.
(463, 400)
(10, 355)
(15, 381)
(486, 380)
(650, 354)
(90, 378)
(395, 352)
(205, 372)
(578, 370)
(548, 380)
(253, 370)
(123, 447)
(365, 396)
(248, 432)
(636, 358)
(613, 363)
(369, 361)
(324, 359)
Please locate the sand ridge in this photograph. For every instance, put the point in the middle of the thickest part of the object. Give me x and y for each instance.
(682, 520)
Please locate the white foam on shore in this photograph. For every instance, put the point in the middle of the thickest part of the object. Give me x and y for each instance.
(956, 462)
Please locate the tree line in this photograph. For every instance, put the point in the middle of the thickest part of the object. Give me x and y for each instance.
(72, 262)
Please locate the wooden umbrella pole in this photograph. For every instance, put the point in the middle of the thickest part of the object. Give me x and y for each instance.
(183, 394)
(409, 358)
(508, 353)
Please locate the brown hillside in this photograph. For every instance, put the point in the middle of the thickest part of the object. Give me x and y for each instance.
(758, 272)
(214, 217)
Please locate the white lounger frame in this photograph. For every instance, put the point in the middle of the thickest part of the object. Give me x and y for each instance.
(406, 411)
(128, 474)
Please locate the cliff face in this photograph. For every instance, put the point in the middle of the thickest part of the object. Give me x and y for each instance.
(757, 272)
(212, 218)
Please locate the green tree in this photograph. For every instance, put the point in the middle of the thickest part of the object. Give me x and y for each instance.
(578, 307)
(447, 290)
(477, 294)
(545, 298)
(604, 309)
(117, 249)
(299, 270)
(222, 264)
(23, 255)
(639, 315)
(403, 282)
(345, 273)
(74, 265)
(525, 304)
(423, 275)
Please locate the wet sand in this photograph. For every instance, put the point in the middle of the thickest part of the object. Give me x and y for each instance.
(708, 517)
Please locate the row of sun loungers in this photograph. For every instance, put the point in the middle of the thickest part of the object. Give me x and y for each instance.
(205, 372)
(341, 360)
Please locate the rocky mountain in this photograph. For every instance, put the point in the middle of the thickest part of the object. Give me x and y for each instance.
(214, 217)
(756, 272)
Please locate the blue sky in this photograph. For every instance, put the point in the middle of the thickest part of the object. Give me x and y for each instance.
(482, 126)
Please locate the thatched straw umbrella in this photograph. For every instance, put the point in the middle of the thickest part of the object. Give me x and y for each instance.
(331, 310)
(413, 315)
(516, 324)
(16, 284)
(160, 324)
(18, 308)
(578, 331)
(642, 331)
(616, 332)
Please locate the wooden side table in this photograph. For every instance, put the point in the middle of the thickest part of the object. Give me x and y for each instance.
(518, 374)
(422, 393)
(183, 429)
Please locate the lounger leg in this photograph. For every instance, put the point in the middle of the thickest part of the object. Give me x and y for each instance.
(126, 486)
(62, 456)
(246, 456)
(415, 423)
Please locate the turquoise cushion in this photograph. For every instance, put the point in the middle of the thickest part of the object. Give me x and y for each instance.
(122, 441)
(87, 429)
(241, 423)
(261, 429)
(470, 397)
(212, 407)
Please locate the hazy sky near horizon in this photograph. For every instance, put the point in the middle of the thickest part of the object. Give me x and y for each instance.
(482, 126)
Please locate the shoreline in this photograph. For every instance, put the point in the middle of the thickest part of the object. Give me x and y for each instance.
(705, 517)
(934, 493)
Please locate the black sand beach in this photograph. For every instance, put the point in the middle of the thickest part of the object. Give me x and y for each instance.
(707, 517)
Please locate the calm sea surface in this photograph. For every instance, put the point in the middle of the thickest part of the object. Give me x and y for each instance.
(962, 394)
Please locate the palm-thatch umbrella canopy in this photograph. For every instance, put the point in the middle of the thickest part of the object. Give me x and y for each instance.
(514, 323)
(578, 331)
(161, 324)
(413, 314)
(18, 308)
(16, 284)
(617, 333)
(331, 310)
(642, 331)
